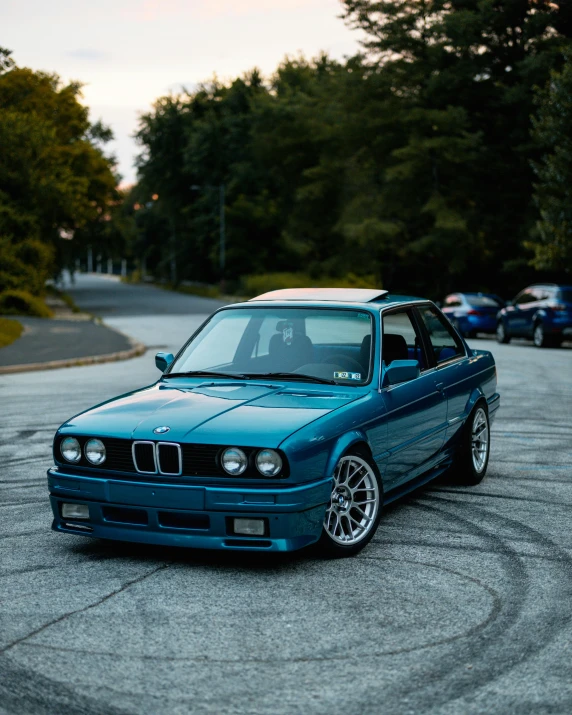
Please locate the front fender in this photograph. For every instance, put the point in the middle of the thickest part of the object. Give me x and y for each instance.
(341, 446)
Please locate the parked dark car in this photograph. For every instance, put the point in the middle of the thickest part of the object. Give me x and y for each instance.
(541, 312)
(472, 313)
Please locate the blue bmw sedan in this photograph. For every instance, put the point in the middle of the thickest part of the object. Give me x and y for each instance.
(472, 313)
(284, 422)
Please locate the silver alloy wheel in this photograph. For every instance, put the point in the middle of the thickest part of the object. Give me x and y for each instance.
(480, 440)
(539, 335)
(500, 331)
(354, 503)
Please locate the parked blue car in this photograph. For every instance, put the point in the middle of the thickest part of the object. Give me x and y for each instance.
(285, 421)
(472, 313)
(542, 312)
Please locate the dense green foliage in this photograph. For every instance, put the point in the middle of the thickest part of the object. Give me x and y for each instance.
(54, 180)
(552, 244)
(412, 162)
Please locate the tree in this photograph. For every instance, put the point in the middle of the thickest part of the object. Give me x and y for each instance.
(54, 177)
(552, 241)
(457, 183)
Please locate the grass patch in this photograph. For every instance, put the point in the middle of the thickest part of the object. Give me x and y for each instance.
(20, 302)
(10, 330)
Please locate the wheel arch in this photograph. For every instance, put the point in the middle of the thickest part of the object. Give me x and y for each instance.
(477, 396)
(343, 445)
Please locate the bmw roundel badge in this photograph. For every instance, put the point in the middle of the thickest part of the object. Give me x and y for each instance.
(161, 430)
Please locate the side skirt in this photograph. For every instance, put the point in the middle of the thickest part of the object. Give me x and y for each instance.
(414, 484)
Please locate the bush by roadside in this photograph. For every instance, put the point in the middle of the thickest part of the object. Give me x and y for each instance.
(250, 286)
(10, 330)
(20, 302)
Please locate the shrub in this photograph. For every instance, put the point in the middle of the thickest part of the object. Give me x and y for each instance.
(25, 265)
(20, 302)
(257, 284)
(10, 330)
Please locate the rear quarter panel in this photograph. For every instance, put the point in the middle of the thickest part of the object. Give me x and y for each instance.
(467, 381)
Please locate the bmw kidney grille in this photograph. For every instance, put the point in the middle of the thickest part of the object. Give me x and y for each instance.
(162, 458)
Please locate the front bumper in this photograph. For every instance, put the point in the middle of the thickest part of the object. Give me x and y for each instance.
(189, 515)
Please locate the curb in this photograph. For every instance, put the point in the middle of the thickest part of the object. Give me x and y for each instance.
(136, 349)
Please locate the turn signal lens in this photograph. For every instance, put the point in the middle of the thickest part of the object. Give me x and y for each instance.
(95, 451)
(70, 449)
(234, 461)
(268, 462)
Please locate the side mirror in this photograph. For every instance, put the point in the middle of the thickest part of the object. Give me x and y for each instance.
(163, 360)
(400, 371)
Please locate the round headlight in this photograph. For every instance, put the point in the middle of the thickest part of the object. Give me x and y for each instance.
(95, 451)
(70, 449)
(234, 461)
(268, 462)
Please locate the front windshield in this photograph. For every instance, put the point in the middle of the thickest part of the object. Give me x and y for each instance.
(322, 343)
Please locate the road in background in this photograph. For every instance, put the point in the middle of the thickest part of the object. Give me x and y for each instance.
(158, 318)
(461, 603)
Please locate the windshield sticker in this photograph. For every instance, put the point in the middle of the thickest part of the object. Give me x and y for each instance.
(347, 376)
(288, 333)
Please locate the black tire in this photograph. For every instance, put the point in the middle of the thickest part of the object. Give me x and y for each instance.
(467, 469)
(502, 333)
(539, 336)
(344, 508)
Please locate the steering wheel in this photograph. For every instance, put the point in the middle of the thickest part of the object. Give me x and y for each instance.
(339, 359)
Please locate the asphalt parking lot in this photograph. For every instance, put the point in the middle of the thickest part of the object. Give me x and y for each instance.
(461, 604)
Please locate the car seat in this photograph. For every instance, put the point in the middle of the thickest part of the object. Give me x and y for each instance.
(289, 349)
(394, 347)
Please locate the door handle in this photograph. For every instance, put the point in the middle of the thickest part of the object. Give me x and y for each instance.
(440, 386)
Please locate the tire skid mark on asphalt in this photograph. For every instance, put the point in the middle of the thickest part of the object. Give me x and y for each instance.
(21, 533)
(77, 611)
(551, 622)
(44, 696)
(473, 650)
(25, 460)
(459, 547)
(533, 500)
(494, 611)
(7, 504)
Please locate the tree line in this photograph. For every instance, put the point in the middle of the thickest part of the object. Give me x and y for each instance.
(438, 158)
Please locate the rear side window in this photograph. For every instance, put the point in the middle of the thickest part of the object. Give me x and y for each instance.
(483, 301)
(445, 343)
(401, 340)
(525, 297)
(453, 301)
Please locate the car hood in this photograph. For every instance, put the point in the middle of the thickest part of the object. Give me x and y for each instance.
(245, 414)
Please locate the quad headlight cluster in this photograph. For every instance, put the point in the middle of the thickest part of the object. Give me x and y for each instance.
(94, 450)
(235, 462)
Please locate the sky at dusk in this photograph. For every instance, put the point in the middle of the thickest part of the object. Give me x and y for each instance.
(129, 52)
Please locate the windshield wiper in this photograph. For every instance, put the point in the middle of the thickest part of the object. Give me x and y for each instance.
(207, 373)
(291, 376)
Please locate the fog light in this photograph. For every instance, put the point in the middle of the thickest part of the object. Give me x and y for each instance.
(75, 511)
(249, 527)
